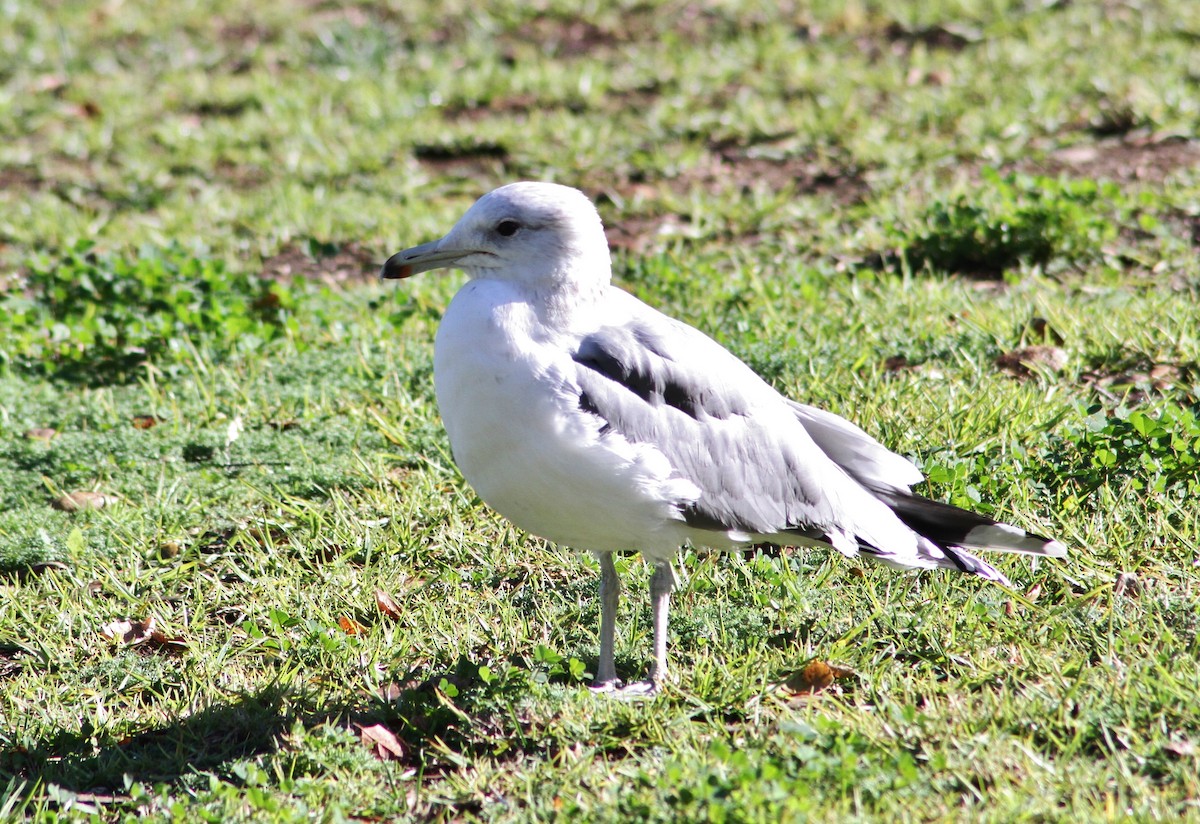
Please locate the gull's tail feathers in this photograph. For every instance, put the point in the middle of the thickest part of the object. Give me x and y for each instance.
(952, 529)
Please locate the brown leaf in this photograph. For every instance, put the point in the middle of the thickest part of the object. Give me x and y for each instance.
(144, 421)
(129, 633)
(40, 433)
(350, 626)
(387, 605)
(391, 692)
(266, 301)
(83, 499)
(1127, 584)
(138, 633)
(816, 676)
(1161, 372)
(1021, 363)
(161, 641)
(382, 742)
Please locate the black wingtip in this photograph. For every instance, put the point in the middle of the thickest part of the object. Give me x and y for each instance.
(950, 526)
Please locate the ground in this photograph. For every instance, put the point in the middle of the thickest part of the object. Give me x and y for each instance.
(241, 578)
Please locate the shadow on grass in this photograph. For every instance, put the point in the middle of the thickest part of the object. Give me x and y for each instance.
(446, 708)
(206, 740)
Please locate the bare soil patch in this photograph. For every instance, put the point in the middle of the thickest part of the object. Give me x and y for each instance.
(20, 178)
(564, 36)
(478, 162)
(1149, 159)
(240, 175)
(334, 265)
(567, 37)
(730, 167)
(744, 167)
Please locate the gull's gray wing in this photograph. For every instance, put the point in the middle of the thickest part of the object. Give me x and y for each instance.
(759, 473)
(768, 467)
(863, 458)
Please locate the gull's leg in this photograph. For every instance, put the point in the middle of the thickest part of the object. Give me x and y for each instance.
(610, 595)
(661, 584)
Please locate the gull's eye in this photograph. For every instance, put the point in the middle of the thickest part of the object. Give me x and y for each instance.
(507, 228)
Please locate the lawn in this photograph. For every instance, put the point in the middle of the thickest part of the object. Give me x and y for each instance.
(241, 578)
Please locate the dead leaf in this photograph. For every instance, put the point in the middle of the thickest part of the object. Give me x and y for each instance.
(83, 499)
(40, 433)
(1180, 749)
(391, 692)
(816, 676)
(1133, 385)
(144, 421)
(137, 633)
(161, 641)
(350, 626)
(1127, 584)
(1021, 363)
(49, 83)
(267, 300)
(382, 742)
(129, 633)
(387, 605)
(1158, 372)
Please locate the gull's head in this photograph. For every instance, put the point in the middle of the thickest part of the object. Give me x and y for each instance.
(540, 234)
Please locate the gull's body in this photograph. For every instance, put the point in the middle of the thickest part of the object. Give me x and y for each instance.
(588, 418)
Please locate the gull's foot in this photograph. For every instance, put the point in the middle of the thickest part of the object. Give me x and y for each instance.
(633, 692)
(606, 687)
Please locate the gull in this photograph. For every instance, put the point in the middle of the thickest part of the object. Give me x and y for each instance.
(590, 419)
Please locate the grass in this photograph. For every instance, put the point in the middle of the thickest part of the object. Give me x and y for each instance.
(870, 203)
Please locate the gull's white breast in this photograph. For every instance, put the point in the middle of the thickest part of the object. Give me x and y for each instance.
(506, 390)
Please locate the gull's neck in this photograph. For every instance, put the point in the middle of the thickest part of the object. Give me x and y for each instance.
(562, 292)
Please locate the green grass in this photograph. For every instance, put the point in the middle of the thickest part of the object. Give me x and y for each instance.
(868, 202)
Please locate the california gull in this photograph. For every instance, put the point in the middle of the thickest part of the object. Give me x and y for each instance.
(588, 418)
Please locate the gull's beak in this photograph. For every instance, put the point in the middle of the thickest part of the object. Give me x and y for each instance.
(420, 259)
